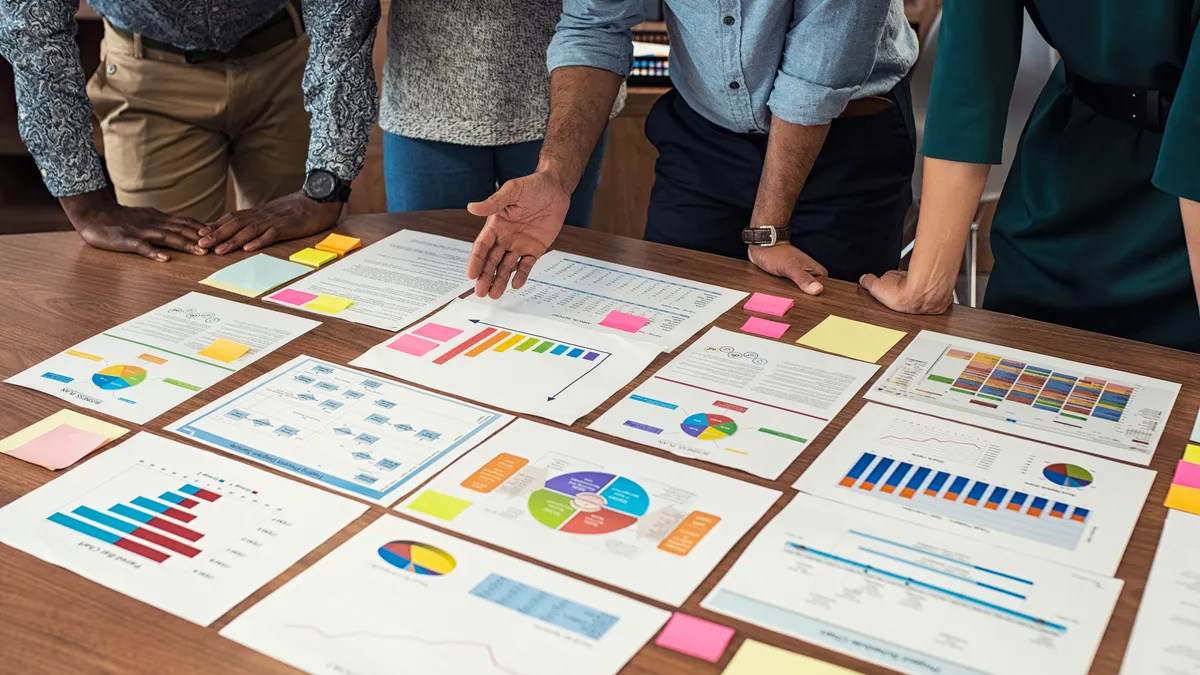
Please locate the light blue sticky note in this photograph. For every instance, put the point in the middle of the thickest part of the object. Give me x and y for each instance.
(255, 275)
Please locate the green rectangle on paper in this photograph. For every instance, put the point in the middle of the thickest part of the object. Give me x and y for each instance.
(544, 347)
(943, 380)
(989, 397)
(439, 505)
(524, 346)
(782, 435)
(962, 391)
(185, 385)
(1074, 417)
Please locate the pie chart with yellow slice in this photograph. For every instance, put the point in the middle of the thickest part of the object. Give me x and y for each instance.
(119, 377)
(709, 426)
(418, 558)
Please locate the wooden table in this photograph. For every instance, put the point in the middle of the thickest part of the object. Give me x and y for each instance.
(55, 291)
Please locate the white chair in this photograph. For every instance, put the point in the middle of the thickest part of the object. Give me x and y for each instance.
(1038, 60)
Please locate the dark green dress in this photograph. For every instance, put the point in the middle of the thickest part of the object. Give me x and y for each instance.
(1088, 231)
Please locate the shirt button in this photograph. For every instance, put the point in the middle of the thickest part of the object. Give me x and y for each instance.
(734, 85)
(728, 20)
(112, 69)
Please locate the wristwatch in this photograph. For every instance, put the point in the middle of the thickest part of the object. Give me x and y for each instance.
(765, 235)
(324, 186)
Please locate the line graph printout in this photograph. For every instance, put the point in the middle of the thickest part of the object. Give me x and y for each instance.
(1036, 499)
(529, 364)
(179, 528)
(914, 599)
(1089, 408)
(451, 607)
(582, 291)
(650, 525)
(148, 365)
(738, 401)
(352, 431)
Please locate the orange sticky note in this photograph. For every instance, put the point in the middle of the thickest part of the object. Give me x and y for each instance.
(338, 244)
(225, 351)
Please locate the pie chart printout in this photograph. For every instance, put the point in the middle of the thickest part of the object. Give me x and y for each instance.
(589, 502)
(417, 558)
(1068, 475)
(709, 426)
(119, 377)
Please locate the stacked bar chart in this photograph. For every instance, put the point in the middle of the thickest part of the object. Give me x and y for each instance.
(968, 500)
(163, 522)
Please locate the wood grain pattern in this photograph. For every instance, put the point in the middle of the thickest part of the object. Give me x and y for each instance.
(55, 291)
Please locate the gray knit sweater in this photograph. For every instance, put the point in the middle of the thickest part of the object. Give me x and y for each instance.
(471, 72)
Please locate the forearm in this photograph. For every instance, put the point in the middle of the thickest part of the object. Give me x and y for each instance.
(581, 99)
(949, 199)
(792, 150)
(1190, 211)
(81, 208)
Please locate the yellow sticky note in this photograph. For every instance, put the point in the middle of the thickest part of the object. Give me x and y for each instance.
(439, 505)
(1192, 453)
(339, 244)
(68, 417)
(756, 658)
(328, 304)
(1182, 498)
(225, 351)
(312, 257)
(858, 340)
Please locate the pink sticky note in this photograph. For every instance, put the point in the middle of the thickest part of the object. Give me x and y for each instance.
(768, 304)
(771, 329)
(1187, 474)
(293, 297)
(629, 323)
(60, 447)
(695, 637)
(411, 344)
(436, 331)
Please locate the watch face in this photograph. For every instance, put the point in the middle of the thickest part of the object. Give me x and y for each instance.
(320, 185)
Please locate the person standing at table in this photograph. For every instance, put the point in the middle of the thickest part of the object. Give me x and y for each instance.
(1099, 223)
(465, 97)
(770, 97)
(186, 93)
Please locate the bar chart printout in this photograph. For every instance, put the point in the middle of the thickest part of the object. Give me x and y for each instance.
(912, 598)
(454, 608)
(182, 529)
(1098, 410)
(1037, 499)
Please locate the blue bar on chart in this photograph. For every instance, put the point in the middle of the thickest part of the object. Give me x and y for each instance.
(876, 474)
(935, 485)
(1035, 509)
(575, 352)
(1059, 510)
(915, 482)
(994, 499)
(976, 493)
(898, 475)
(857, 470)
(956, 488)
(1079, 515)
(559, 350)
(1017, 501)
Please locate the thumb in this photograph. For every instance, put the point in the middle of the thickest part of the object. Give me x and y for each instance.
(869, 282)
(499, 200)
(807, 282)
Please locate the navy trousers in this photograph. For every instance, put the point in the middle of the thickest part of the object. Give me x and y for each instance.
(850, 214)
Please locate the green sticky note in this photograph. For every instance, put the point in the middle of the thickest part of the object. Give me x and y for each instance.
(439, 505)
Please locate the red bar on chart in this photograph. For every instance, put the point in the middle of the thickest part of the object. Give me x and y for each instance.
(464, 346)
(165, 542)
(177, 530)
(144, 551)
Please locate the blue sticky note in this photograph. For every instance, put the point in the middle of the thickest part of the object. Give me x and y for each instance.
(255, 275)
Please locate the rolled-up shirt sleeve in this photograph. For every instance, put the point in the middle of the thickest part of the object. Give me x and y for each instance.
(339, 83)
(828, 56)
(54, 114)
(595, 33)
(1178, 168)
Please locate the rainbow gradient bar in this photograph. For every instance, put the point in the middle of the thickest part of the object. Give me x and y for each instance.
(898, 475)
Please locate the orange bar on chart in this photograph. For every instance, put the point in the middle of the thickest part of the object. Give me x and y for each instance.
(499, 469)
(488, 343)
(688, 533)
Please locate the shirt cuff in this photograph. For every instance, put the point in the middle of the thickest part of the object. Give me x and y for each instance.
(571, 49)
(70, 176)
(802, 102)
(345, 166)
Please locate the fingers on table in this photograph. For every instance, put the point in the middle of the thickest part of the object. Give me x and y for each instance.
(168, 236)
(477, 261)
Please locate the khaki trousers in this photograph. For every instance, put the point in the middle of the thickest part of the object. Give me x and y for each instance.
(174, 132)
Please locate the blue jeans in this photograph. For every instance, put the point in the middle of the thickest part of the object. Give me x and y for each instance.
(423, 175)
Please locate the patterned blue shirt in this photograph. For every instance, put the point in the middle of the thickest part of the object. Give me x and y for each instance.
(55, 116)
(738, 61)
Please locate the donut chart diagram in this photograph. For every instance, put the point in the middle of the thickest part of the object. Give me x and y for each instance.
(709, 426)
(417, 558)
(119, 377)
(589, 502)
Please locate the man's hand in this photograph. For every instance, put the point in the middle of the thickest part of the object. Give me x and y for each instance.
(898, 292)
(103, 223)
(523, 218)
(785, 260)
(290, 217)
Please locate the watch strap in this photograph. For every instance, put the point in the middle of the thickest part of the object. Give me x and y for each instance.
(765, 235)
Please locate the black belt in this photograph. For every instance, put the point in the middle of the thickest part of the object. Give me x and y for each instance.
(276, 31)
(1144, 108)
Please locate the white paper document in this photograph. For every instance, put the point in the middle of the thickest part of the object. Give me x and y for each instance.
(914, 599)
(583, 291)
(402, 598)
(148, 365)
(1036, 499)
(626, 518)
(738, 401)
(529, 364)
(1166, 634)
(182, 529)
(361, 434)
(392, 282)
(1089, 408)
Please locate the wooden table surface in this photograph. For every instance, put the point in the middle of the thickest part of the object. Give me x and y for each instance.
(55, 292)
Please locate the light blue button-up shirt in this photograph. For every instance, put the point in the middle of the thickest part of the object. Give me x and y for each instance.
(738, 61)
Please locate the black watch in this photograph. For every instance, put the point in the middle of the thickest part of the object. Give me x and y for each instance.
(765, 235)
(325, 186)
